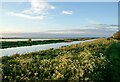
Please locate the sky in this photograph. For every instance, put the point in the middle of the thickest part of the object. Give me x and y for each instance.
(59, 18)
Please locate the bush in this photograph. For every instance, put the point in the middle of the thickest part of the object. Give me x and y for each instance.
(116, 35)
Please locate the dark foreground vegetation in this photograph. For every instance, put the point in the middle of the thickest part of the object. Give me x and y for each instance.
(95, 61)
(9, 44)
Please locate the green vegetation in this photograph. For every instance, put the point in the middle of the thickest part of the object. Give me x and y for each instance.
(9, 44)
(94, 61)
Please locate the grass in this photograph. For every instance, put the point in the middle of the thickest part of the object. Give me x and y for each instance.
(94, 61)
(9, 44)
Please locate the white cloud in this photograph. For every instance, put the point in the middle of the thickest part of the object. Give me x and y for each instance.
(37, 7)
(38, 10)
(67, 12)
(52, 7)
(73, 31)
(26, 16)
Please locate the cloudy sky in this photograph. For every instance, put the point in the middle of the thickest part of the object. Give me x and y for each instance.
(60, 18)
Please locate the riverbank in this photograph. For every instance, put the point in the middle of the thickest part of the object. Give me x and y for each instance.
(34, 48)
(10, 44)
(88, 61)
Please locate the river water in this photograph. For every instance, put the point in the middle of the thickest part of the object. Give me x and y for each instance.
(28, 49)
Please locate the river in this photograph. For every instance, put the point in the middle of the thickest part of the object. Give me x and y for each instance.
(28, 49)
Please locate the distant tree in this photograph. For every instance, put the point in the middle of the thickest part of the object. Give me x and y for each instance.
(29, 40)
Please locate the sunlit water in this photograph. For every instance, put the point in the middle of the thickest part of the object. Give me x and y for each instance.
(27, 49)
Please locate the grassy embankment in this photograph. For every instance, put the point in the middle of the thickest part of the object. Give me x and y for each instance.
(95, 61)
(9, 44)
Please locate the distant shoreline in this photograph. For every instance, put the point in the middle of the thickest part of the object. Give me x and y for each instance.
(29, 42)
(46, 37)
